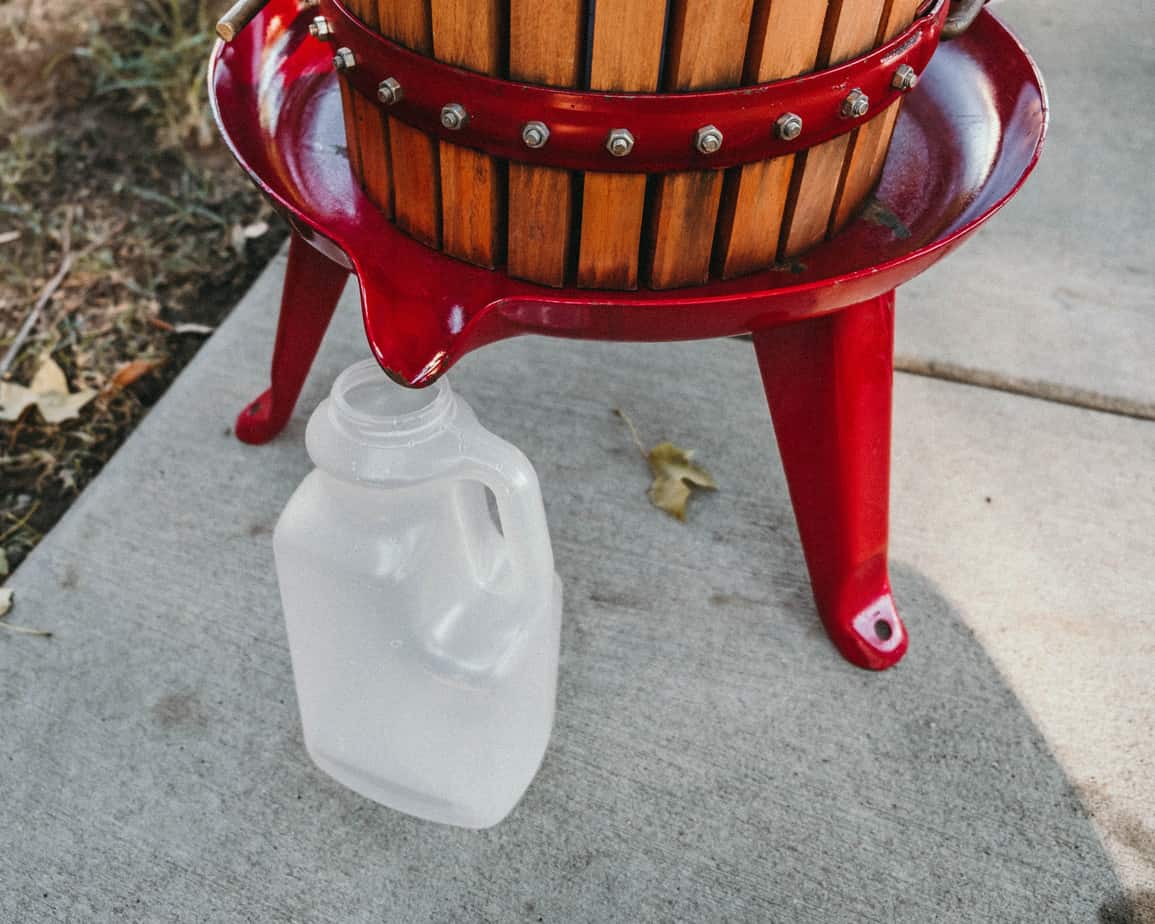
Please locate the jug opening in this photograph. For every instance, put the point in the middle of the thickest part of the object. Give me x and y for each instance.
(365, 394)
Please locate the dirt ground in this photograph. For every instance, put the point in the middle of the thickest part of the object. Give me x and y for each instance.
(126, 231)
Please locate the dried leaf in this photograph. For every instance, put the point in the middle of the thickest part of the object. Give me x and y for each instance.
(676, 474)
(49, 378)
(48, 391)
(255, 230)
(57, 408)
(5, 601)
(7, 237)
(128, 373)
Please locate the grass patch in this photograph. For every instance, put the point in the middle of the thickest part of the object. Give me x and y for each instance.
(108, 156)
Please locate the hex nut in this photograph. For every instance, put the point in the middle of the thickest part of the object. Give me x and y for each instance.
(856, 104)
(619, 142)
(535, 134)
(389, 91)
(344, 60)
(454, 116)
(905, 78)
(320, 28)
(708, 139)
(788, 127)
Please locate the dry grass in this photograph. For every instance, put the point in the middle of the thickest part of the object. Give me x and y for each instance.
(108, 155)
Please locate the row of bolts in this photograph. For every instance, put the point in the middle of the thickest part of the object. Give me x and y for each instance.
(620, 141)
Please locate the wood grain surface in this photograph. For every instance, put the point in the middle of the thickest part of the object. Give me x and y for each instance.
(868, 147)
(416, 170)
(626, 54)
(545, 47)
(785, 36)
(850, 30)
(705, 50)
(471, 34)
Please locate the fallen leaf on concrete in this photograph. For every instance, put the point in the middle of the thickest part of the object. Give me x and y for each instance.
(675, 472)
(48, 391)
(128, 373)
(6, 595)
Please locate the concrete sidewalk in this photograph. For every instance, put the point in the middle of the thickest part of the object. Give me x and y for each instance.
(713, 758)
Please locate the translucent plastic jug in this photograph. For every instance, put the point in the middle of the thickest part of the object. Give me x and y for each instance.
(424, 637)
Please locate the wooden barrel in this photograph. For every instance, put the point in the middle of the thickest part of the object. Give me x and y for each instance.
(623, 230)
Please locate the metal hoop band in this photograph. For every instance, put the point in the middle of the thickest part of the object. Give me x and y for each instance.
(492, 115)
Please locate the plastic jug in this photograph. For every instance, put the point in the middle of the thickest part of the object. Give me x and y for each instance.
(424, 636)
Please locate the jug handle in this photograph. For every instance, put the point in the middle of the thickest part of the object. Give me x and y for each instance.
(505, 470)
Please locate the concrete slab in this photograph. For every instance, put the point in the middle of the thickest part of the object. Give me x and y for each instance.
(713, 758)
(1059, 290)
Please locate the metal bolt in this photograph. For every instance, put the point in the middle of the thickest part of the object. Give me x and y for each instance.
(708, 140)
(343, 60)
(788, 127)
(308, 4)
(320, 28)
(535, 134)
(905, 78)
(620, 142)
(454, 116)
(389, 91)
(855, 105)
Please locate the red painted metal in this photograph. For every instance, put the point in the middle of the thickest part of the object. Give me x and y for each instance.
(313, 284)
(828, 383)
(663, 124)
(965, 142)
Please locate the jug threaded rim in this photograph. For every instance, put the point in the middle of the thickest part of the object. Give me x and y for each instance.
(367, 399)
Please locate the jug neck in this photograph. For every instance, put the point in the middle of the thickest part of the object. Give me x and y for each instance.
(370, 430)
(370, 406)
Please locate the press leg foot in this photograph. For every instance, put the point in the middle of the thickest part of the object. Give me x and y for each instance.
(313, 284)
(828, 383)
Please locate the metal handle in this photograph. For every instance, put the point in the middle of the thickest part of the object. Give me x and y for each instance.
(240, 14)
(962, 14)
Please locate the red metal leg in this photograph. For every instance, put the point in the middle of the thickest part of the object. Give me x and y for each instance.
(828, 382)
(313, 284)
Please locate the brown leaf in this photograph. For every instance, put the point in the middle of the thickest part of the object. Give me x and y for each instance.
(676, 474)
(128, 373)
(48, 391)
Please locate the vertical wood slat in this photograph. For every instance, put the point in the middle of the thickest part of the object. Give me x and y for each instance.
(870, 143)
(416, 178)
(705, 50)
(851, 26)
(545, 42)
(367, 131)
(470, 34)
(784, 41)
(626, 55)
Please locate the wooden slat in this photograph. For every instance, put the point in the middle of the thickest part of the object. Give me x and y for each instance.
(870, 143)
(416, 175)
(470, 34)
(706, 50)
(784, 40)
(851, 26)
(545, 47)
(367, 129)
(626, 55)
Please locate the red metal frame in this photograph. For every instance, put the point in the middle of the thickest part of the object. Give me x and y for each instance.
(964, 144)
(663, 124)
